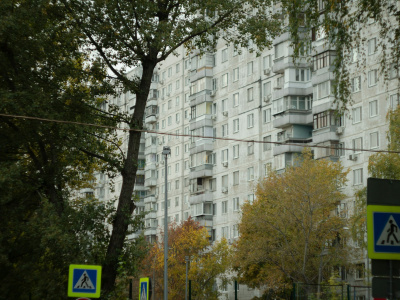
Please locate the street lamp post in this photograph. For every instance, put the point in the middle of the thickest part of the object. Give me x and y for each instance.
(166, 152)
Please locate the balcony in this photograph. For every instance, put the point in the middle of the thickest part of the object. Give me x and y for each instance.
(201, 197)
(202, 144)
(152, 149)
(201, 171)
(293, 116)
(282, 63)
(150, 182)
(151, 215)
(150, 199)
(280, 149)
(331, 133)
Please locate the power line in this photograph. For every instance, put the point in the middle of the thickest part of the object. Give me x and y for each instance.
(304, 145)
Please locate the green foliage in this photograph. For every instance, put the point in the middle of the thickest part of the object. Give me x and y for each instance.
(341, 22)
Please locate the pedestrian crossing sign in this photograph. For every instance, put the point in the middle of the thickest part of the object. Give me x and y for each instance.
(144, 288)
(84, 281)
(383, 227)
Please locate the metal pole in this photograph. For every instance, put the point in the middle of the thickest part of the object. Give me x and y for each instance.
(166, 152)
(187, 268)
(190, 290)
(391, 280)
(236, 292)
(130, 289)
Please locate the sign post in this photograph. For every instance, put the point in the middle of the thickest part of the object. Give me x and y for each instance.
(383, 221)
(84, 281)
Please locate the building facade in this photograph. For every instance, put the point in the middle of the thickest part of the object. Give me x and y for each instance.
(212, 109)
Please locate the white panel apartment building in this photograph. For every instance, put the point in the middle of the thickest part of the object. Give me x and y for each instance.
(240, 96)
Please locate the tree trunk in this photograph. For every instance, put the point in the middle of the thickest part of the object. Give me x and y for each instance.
(126, 204)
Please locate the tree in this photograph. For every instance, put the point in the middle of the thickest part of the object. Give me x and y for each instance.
(343, 23)
(143, 34)
(298, 235)
(207, 263)
(45, 74)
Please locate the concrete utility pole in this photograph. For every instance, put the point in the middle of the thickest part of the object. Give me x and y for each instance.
(166, 152)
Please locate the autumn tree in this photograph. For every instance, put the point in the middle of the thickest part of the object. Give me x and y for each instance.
(207, 263)
(143, 34)
(294, 223)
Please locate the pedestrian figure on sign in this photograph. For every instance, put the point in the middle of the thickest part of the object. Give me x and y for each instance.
(84, 280)
(393, 228)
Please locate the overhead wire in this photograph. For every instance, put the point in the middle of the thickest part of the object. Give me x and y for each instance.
(304, 145)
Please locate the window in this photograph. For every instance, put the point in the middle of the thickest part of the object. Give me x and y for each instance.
(250, 198)
(303, 75)
(250, 120)
(371, 46)
(236, 204)
(169, 121)
(327, 118)
(224, 155)
(177, 68)
(267, 62)
(394, 100)
(250, 148)
(267, 115)
(323, 60)
(267, 169)
(225, 130)
(235, 74)
(236, 125)
(357, 115)
(225, 234)
(224, 80)
(356, 84)
(394, 71)
(177, 84)
(360, 271)
(279, 50)
(169, 71)
(250, 174)
(372, 77)
(236, 151)
(177, 151)
(176, 167)
(235, 233)
(236, 178)
(250, 94)
(177, 117)
(187, 80)
(249, 68)
(215, 84)
(374, 140)
(373, 108)
(177, 101)
(267, 88)
(339, 151)
(235, 99)
(357, 145)
(323, 89)
(224, 181)
(224, 55)
(176, 185)
(267, 143)
(224, 105)
(187, 64)
(213, 184)
(163, 124)
(169, 89)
